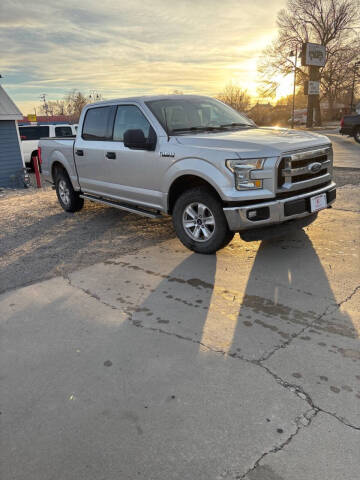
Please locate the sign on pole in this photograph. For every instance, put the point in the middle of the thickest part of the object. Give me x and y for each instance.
(31, 117)
(311, 87)
(313, 54)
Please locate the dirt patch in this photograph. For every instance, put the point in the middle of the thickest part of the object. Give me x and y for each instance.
(38, 240)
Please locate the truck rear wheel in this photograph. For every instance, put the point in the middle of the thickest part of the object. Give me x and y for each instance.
(357, 134)
(199, 221)
(68, 198)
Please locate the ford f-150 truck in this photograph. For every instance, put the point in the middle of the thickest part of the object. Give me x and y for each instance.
(194, 158)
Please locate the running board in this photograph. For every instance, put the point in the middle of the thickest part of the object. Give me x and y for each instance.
(122, 206)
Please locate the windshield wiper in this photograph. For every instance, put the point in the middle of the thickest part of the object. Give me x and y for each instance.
(211, 128)
(194, 129)
(236, 124)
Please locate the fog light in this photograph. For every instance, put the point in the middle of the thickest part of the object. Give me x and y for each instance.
(262, 213)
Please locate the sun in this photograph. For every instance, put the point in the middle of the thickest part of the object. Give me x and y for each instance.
(286, 85)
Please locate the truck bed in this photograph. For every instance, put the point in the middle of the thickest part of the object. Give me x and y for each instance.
(61, 148)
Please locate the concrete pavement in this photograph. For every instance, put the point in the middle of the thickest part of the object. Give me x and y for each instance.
(163, 364)
(346, 150)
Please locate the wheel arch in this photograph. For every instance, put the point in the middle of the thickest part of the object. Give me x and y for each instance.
(57, 167)
(185, 182)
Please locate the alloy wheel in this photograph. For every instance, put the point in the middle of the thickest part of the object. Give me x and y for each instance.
(64, 192)
(198, 222)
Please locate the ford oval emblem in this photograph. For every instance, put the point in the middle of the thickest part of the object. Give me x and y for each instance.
(314, 167)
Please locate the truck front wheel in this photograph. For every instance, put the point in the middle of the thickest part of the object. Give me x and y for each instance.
(68, 198)
(199, 221)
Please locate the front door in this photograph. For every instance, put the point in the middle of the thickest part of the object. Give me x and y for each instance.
(135, 174)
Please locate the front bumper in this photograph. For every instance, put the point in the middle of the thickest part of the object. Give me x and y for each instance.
(274, 212)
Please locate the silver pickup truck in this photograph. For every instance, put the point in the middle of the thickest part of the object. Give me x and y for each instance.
(196, 159)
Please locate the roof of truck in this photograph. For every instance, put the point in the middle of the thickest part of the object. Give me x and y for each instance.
(147, 98)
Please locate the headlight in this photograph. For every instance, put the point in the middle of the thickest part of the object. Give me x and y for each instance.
(242, 172)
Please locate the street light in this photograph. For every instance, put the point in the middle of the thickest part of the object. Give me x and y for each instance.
(356, 66)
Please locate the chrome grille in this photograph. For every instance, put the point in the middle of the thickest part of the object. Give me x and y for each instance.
(300, 169)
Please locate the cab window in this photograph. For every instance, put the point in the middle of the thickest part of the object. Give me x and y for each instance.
(63, 132)
(129, 117)
(98, 123)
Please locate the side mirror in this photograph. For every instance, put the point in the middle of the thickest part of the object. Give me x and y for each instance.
(135, 139)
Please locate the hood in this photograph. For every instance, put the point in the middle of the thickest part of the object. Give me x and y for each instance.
(254, 142)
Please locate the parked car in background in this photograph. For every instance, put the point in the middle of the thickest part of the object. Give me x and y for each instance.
(31, 134)
(299, 117)
(350, 125)
(196, 159)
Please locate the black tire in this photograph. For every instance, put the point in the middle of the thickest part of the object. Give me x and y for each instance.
(357, 134)
(218, 231)
(68, 198)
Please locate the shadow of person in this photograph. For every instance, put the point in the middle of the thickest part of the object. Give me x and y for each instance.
(287, 291)
(179, 303)
(214, 301)
(223, 305)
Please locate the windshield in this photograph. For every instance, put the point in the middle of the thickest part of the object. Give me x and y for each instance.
(196, 114)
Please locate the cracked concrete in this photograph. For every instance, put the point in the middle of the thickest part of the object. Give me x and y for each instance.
(326, 449)
(327, 364)
(164, 364)
(253, 472)
(98, 394)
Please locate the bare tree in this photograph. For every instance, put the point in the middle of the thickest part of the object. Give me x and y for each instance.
(71, 105)
(75, 101)
(53, 107)
(332, 23)
(235, 97)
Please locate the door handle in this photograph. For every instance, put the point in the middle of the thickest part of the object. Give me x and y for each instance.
(79, 153)
(110, 155)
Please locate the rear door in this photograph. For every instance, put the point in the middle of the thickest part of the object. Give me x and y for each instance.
(91, 147)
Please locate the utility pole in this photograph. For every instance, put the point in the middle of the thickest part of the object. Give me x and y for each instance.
(293, 99)
(313, 77)
(313, 55)
(356, 66)
(46, 107)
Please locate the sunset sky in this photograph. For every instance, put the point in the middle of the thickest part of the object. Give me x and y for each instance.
(123, 48)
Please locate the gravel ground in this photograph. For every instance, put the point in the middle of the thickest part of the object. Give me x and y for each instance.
(38, 240)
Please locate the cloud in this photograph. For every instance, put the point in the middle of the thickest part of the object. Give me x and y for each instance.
(132, 47)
